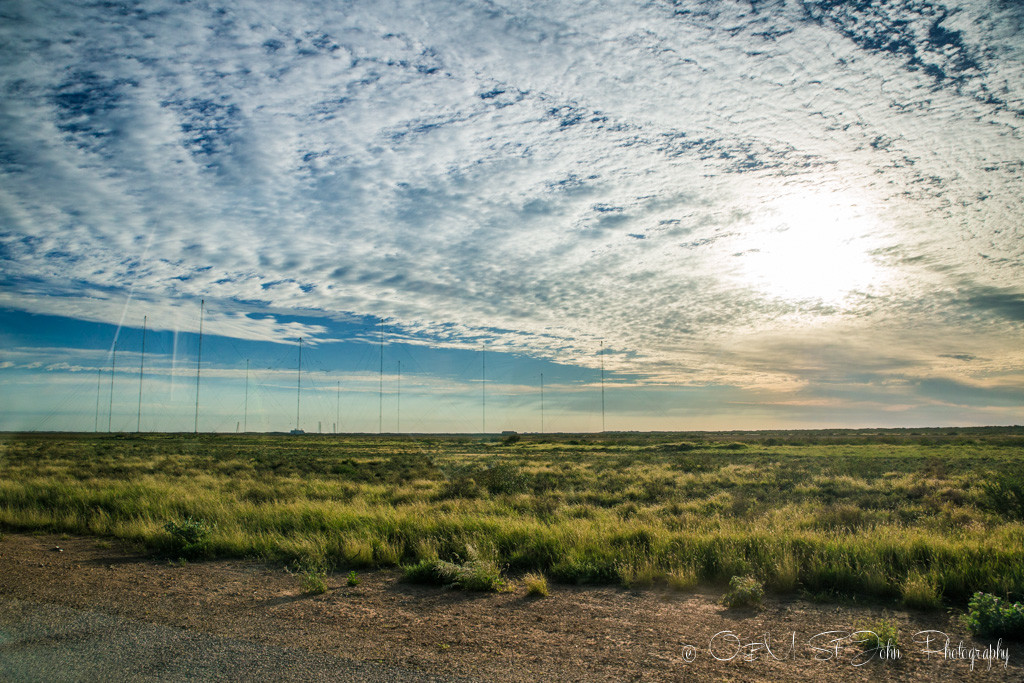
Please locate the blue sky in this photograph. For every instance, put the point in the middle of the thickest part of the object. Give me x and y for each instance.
(753, 214)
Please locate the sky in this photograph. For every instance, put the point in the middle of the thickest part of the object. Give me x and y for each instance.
(489, 215)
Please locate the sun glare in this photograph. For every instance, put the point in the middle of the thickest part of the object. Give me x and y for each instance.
(810, 248)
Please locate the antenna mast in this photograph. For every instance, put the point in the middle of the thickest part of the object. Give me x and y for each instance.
(99, 377)
(298, 387)
(483, 388)
(398, 407)
(380, 394)
(602, 385)
(338, 417)
(113, 357)
(142, 362)
(199, 360)
(245, 418)
(542, 403)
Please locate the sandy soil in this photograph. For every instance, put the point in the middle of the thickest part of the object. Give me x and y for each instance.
(576, 634)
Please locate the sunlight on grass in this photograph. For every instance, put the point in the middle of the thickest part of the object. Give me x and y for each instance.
(895, 516)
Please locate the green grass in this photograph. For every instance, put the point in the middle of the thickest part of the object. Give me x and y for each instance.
(921, 516)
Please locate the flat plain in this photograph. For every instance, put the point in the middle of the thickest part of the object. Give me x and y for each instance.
(881, 521)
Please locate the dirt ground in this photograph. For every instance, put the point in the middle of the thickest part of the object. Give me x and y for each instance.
(575, 634)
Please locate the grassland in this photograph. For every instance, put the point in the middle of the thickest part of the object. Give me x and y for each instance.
(927, 517)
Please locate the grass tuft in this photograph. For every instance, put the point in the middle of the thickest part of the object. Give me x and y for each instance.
(536, 585)
(921, 592)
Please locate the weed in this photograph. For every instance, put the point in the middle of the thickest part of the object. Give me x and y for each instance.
(353, 580)
(878, 635)
(313, 579)
(536, 585)
(990, 616)
(744, 591)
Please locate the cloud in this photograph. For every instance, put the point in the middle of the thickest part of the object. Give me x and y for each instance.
(541, 177)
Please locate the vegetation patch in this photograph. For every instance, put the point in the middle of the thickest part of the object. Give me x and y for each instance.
(924, 517)
(536, 585)
(189, 538)
(992, 617)
(878, 635)
(475, 574)
(744, 591)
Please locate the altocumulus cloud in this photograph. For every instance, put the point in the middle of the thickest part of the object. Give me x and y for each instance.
(707, 187)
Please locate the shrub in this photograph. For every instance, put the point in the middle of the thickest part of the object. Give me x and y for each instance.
(536, 584)
(504, 478)
(352, 580)
(191, 538)
(920, 592)
(876, 636)
(744, 591)
(990, 616)
(476, 574)
(1005, 496)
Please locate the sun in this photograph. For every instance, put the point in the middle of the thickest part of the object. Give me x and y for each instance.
(810, 248)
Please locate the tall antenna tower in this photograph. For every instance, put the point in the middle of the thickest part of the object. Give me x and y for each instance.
(542, 403)
(483, 388)
(110, 410)
(338, 416)
(142, 362)
(602, 385)
(380, 393)
(398, 406)
(298, 387)
(245, 414)
(99, 377)
(199, 361)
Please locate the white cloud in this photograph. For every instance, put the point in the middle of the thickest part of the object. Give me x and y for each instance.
(476, 170)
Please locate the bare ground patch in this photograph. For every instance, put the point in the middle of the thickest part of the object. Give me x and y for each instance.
(575, 634)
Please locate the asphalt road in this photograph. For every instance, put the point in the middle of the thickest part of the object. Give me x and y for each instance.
(42, 642)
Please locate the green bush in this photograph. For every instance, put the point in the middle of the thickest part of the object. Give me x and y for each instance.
(189, 539)
(1005, 496)
(744, 591)
(878, 635)
(990, 616)
(353, 580)
(476, 574)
